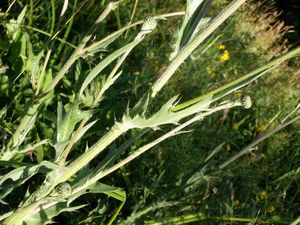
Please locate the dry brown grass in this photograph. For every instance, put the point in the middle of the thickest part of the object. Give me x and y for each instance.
(261, 21)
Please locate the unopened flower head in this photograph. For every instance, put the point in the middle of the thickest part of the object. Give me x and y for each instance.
(149, 24)
(113, 5)
(63, 190)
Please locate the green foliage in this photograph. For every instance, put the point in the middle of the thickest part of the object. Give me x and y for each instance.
(61, 69)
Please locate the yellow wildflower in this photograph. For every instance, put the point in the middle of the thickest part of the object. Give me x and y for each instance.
(262, 196)
(236, 202)
(209, 70)
(225, 56)
(228, 147)
(235, 126)
(238, 93)
(221, 46)
(271, 209)
(260, 128)
(213, 75)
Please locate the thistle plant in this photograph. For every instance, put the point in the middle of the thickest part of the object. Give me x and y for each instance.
(65, 177)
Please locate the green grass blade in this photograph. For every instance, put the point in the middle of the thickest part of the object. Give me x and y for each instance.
(121, 196)
(195, 22)
(67, 32)
(197, 217)
(78, 51)
(261, 138)
(192, 5)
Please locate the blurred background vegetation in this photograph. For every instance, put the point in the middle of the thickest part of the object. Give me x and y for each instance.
(174, 182)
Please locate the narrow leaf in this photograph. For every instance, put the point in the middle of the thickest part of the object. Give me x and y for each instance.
(64, 8)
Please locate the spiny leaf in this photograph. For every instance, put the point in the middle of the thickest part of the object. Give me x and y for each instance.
(97, 187)
(40, 212)
(84, 130)
(107, 61)
(13, 28)
(111, 191)
(66, 122)
(20, 175)
(47, 79)
(5, 215)
(165, 115)
(147, 28)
